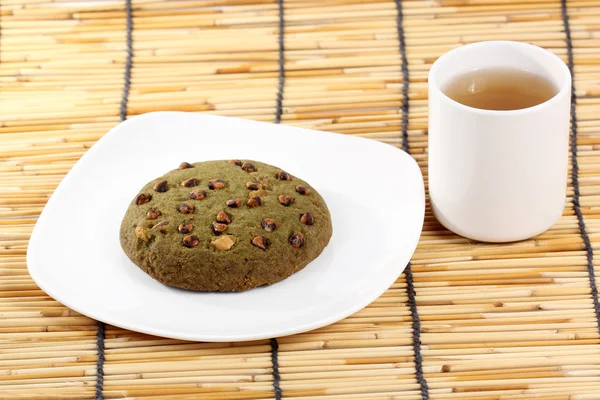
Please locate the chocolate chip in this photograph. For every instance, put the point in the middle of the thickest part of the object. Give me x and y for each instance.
(153, 214)
(161, 226)
(161, 186)
(234, 203)
(186, 208)
(185, 227)
(216, 184)
(197, 194)
(307, 218)
(297, 240)
(253, 186)
(185, 165)
(218, 228)
(286, 200)
(284, 176)
(190, 241)
(143, 198)
(248, 167)
(268, 224)
(261, 242)
(235, 162)
(302, 190)
(254, 202)
(190, 182)
(224, 217)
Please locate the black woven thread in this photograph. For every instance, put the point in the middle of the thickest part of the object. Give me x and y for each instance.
(275, 362)
(416, 336)
(128, 61)
(410, 285)
(281, 60)
(405, 74)
(575, 168)
(100, 336)
(278, 112)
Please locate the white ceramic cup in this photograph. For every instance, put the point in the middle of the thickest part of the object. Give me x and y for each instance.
(498, 176)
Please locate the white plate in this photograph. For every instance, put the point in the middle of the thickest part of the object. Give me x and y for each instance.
(374, 192)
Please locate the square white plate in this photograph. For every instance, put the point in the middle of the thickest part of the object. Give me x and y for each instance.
(374, 192)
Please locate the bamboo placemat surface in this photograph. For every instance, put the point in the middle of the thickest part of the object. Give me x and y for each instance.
(466, 321)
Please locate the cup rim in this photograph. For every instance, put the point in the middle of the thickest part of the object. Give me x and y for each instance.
(566, 86)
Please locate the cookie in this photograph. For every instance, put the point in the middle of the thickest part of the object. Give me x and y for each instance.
(226, 225)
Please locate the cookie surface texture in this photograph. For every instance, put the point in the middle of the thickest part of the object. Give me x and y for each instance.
(227, 225)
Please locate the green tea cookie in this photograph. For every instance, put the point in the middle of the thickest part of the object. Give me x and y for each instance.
(225, 226)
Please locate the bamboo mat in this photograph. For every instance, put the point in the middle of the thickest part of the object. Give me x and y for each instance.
(466, 320)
